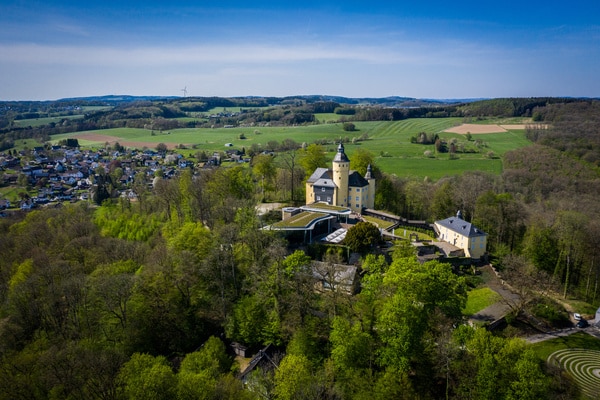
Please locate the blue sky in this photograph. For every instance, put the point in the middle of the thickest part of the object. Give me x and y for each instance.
(434, 49)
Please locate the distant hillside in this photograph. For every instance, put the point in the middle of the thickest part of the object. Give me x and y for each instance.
(113, 98)
(391, 101)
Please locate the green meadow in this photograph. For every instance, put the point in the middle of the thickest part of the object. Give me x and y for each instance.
(33, 122)
(480, 298)
(388, 141)
(579, 340)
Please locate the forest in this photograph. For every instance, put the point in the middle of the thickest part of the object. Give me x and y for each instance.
(143, 299)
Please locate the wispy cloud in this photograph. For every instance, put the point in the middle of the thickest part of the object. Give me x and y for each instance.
(407, 53)
(70, 29)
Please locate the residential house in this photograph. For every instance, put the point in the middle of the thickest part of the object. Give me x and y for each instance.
(463, 235)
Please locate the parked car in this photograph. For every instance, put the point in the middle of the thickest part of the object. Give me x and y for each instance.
(577, 316)
(582, 323)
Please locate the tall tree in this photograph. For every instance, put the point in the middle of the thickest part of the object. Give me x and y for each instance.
(263, 166)
(147, 377)
(313, 157)
(294, 172)
(442, 203)
(361, 159)
(571, 228)
(415, 292)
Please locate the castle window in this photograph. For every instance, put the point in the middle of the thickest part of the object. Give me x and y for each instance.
(322, 189)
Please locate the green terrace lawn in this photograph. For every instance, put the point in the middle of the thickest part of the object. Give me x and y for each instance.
(388, 141)
(380, 223)
(301, 220)
(328, 207)
(405, 233)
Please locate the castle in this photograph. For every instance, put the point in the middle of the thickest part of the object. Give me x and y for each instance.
(339, 186)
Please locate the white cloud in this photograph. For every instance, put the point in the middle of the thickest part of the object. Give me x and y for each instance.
(411, 53)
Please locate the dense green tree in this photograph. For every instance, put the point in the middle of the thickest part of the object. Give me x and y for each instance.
(390, 195)
(246, 323)
(541, 246)
(313, 157)
(294, 379)
(361, 159)
(147, 377)
(414, 292)
(362, 237)
(501, 367)
(442, 203)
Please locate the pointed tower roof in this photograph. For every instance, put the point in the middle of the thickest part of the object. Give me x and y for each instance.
(369, 174)
(341, 156)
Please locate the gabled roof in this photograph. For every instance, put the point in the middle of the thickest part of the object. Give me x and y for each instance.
(461, 226)
(320, 173)
(356, 180)
(325, 182)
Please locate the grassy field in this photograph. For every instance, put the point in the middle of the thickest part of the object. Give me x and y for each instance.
(405, 233)
(21, 144)
(33, 122)
(389, 141)
(478, 299)
(577, 340)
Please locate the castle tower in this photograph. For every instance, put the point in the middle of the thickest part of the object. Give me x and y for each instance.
(341, 169)
(370, 201)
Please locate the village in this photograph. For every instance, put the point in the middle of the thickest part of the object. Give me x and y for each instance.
(53, 174)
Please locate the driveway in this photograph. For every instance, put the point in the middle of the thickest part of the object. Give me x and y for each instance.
(501, 308)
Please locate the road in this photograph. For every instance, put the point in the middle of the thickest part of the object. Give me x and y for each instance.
(590, 330)
(501, 308)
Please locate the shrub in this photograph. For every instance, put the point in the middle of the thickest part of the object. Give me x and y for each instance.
(552, 312)
(348, 127)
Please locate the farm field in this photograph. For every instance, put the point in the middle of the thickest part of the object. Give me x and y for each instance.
(389, 141)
